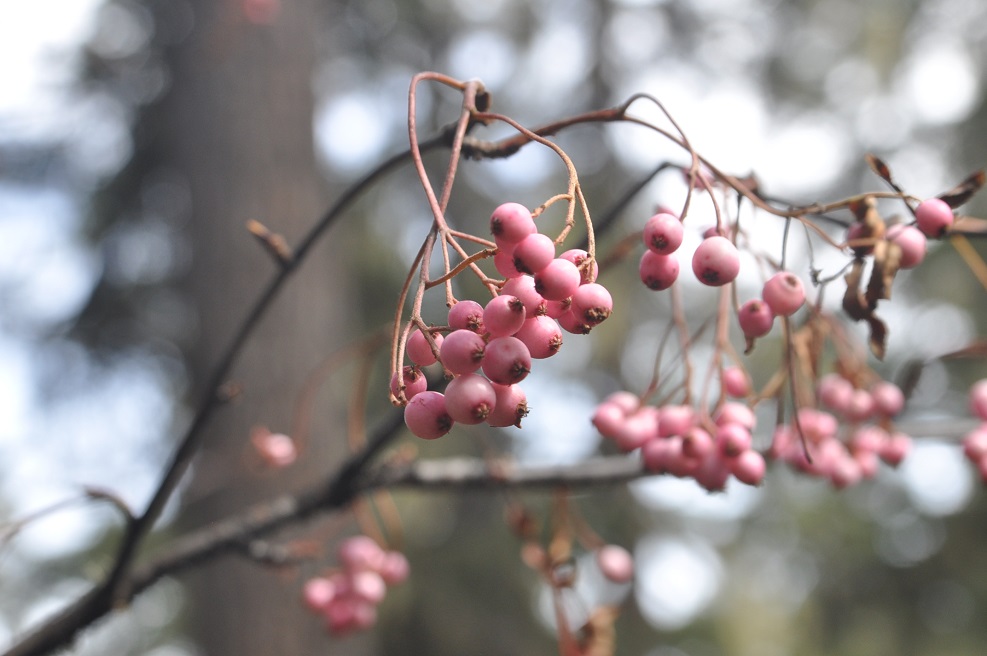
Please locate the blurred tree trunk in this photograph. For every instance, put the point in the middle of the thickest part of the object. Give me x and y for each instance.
(237, 124)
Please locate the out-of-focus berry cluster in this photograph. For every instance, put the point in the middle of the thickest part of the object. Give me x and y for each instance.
(975, 442)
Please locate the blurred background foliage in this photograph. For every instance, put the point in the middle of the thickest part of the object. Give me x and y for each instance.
(158, 127)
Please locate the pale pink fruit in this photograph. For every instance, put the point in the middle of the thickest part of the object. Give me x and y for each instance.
(467, 315)
(318, 592)
(749, 467)
(636, 429)
(732, 439)
(395, 568)
(755, 318)
(934, 217)
(360, 552)
(663, 233)
(592, 303)
(912, 244)
(511, 408)
(533, 253)
(616, 563)
(571, 323)
(676, 420)
(510, 223)
(276, 449)
(462, 351)
(716, 261)
(555, 309)
(506, 361)
(735, 382)
(413, 380)
(503, 315)
(713, 474)
(697, 443)
(658, 272)
(975, 444)
(558, 280)
(735, 413)
(524, 289)
(470, 399)
(608, 418)
(426, 415)
(835, 391)
(367, 585)
(504, 262)
(419, 350)
(578, 256)
(895, 449)
(542, 335)
(784, 293)
(888, 398)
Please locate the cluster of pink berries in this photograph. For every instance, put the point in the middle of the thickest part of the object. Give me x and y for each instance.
(782, 295)
(933, 219)
(975, 442)
(715, 262)
(542, 296)
(348, 598)
(870, 436)
(677, 440)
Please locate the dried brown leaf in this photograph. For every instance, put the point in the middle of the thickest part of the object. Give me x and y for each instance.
(878, 166)
(962, 192)
(878, 336)
(887, 258)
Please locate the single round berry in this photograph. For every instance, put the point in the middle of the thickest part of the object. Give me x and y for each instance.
(413, 380)
(592, 303)
(735, 413)
(676, 420)
(503, 315)
(615, 563)
(504, 262)
(470, 399)
(658, 272)
(395, 568)
(511, 408)
(420, 351)
(523, 288)
(276, 449)
(749, 467)
(712, 473)
(462, 351)
(735, 382)
(894, 449)
(663, 233)
(573, 323)
(467, 315)
(542, 335)
(608, 418)
(784, 293)
(555, 309)
(533, 253)
(558, 280)
(756, 318)
(577, 256)
(360, 552)
(697, 443)
(733, 439)
(511, 222)
(318, 592)
(835, 391)
(506, 361)
(716, 261)
(934, 217)
(426, 415)
(889, 400)
(911, 241)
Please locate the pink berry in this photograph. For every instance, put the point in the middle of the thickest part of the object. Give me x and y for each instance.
(784, 293)
(895, 449)
(276, 449)
(504, 262)
(511, 408)
(658, 272)
(541, 335)
(413, 380)
(658, 454)
(426, 415)
(524, 289)
(367, 585)
(470, 399)
(503, 315)
(697, 443)
(663, 233)
(462, 351)
(749, 467)
(559, 279)
(592, 303)
(676, 420)
(735, 413)
(616, 563)
(571, 323)
(934, 217)
(467, 315)
(360, 552)
(911, 241)
(395, 568)
(577, 256)
(713, 474)
(318, 592)
(835, 391)
(555, 309)
(716, 261)
(608, 418)
(975, 444)
(888, 398)
(861, 407)
(735, 382)
(817, 425)
(756, 318)
(419, 350)
(510, 223)
(733, 439)
(978, 399)
(533, 253)
(636, 429)
(506, 361)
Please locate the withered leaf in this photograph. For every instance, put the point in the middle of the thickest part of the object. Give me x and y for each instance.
(962, 192)
(878, 336)
(856, 305)
(887, 259)
(878, 166)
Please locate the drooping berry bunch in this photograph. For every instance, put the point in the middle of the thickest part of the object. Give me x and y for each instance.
(489, 349)
(347, 598)
(679, 440)
(975, 442)
(846, 444)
